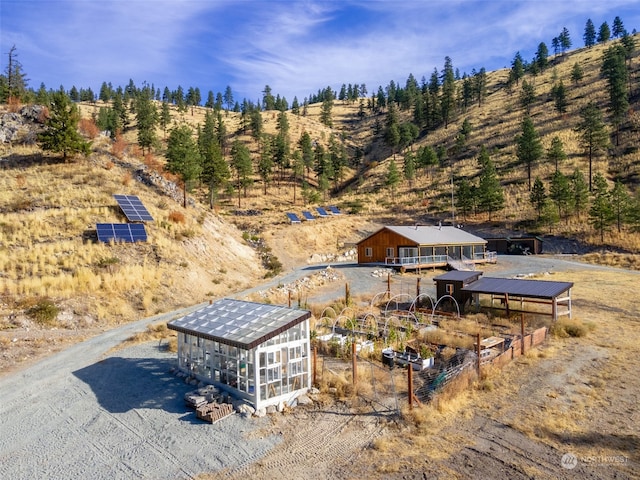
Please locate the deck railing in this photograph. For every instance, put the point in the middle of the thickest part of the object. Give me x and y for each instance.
(424, 260)
(490, 257)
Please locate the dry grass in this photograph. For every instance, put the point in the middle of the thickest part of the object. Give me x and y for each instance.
(154, 332)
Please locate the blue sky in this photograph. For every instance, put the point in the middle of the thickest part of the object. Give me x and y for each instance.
(295, 47)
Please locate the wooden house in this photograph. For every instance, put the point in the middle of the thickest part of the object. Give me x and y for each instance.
(412, 247)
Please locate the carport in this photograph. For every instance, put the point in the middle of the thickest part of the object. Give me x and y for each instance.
(557, 295)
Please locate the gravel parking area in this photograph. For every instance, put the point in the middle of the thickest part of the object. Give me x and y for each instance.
(120, 416)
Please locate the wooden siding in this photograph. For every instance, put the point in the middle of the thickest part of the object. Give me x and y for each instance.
(382, 240)
(379, 243)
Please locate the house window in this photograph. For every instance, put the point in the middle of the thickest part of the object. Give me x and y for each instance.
(390, 252)
(449, 288)
(368, 252)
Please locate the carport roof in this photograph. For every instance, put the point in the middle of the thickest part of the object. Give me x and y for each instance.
(518, 287)
(239, 323)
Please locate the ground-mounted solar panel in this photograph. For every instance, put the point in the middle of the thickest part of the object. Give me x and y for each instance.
(293, 218)
(133, 208)
(121, 232)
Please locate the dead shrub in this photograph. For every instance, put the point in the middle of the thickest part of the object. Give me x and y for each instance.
(109, 165)
(44, 115)
(88, 127)
(565, 328)
(126, 179)
(136, 151)
(176, 217)
(14, 104)
(119, 146)
(21, 180)
(152, 163)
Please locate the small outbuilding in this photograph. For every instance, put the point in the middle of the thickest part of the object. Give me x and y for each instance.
(254, 351)
(412, 247)
(521, 245)
(452, 283)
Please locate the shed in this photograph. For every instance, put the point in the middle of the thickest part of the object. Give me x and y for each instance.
(423, 246)
(254, 351)
(543, 292)
(522, 245)
(451, 283)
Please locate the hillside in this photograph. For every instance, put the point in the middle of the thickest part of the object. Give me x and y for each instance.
(51, 262)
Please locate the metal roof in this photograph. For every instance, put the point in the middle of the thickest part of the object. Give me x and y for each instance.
(518, 287)
(459, 275)
(239, 323)
(432, 235)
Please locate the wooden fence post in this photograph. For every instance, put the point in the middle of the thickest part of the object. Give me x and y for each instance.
(315, 366)
(354, 363)
(478, 351)
(410, 386)
(522, 334)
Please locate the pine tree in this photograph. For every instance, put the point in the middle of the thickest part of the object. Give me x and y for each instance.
(183, 157)
(542, 56)
(306, 149)
(529, 148)
(265, 165)
(618, 27)
(527, 96)
(620, 202)
(614, 69)
(538, 196)
(16, 81)
(61, 128)
(465, 197)
(241, 163)
(490, 194)
(579, 192)
(447, 100)
(555, 153)
(589, 34)
(604, 33)
(559, 94)
(228, 97)
(601, 214)
(560, 193)
(393, 178)
(593, 134)
(517, 69)
(577, 73)
(215, 171)
(565, 40)
(147, 120)
(409, 167)
(165, 118)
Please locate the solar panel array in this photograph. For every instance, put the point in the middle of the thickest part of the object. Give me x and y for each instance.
(133, 208)
(121, 232)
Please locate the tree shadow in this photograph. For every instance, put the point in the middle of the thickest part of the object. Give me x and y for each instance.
(627, 445)
(19, 161)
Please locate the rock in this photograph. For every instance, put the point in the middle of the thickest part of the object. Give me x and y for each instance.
(271, 409)
(261, 412)
(304, 400)
(246, 410)
(314, 391)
